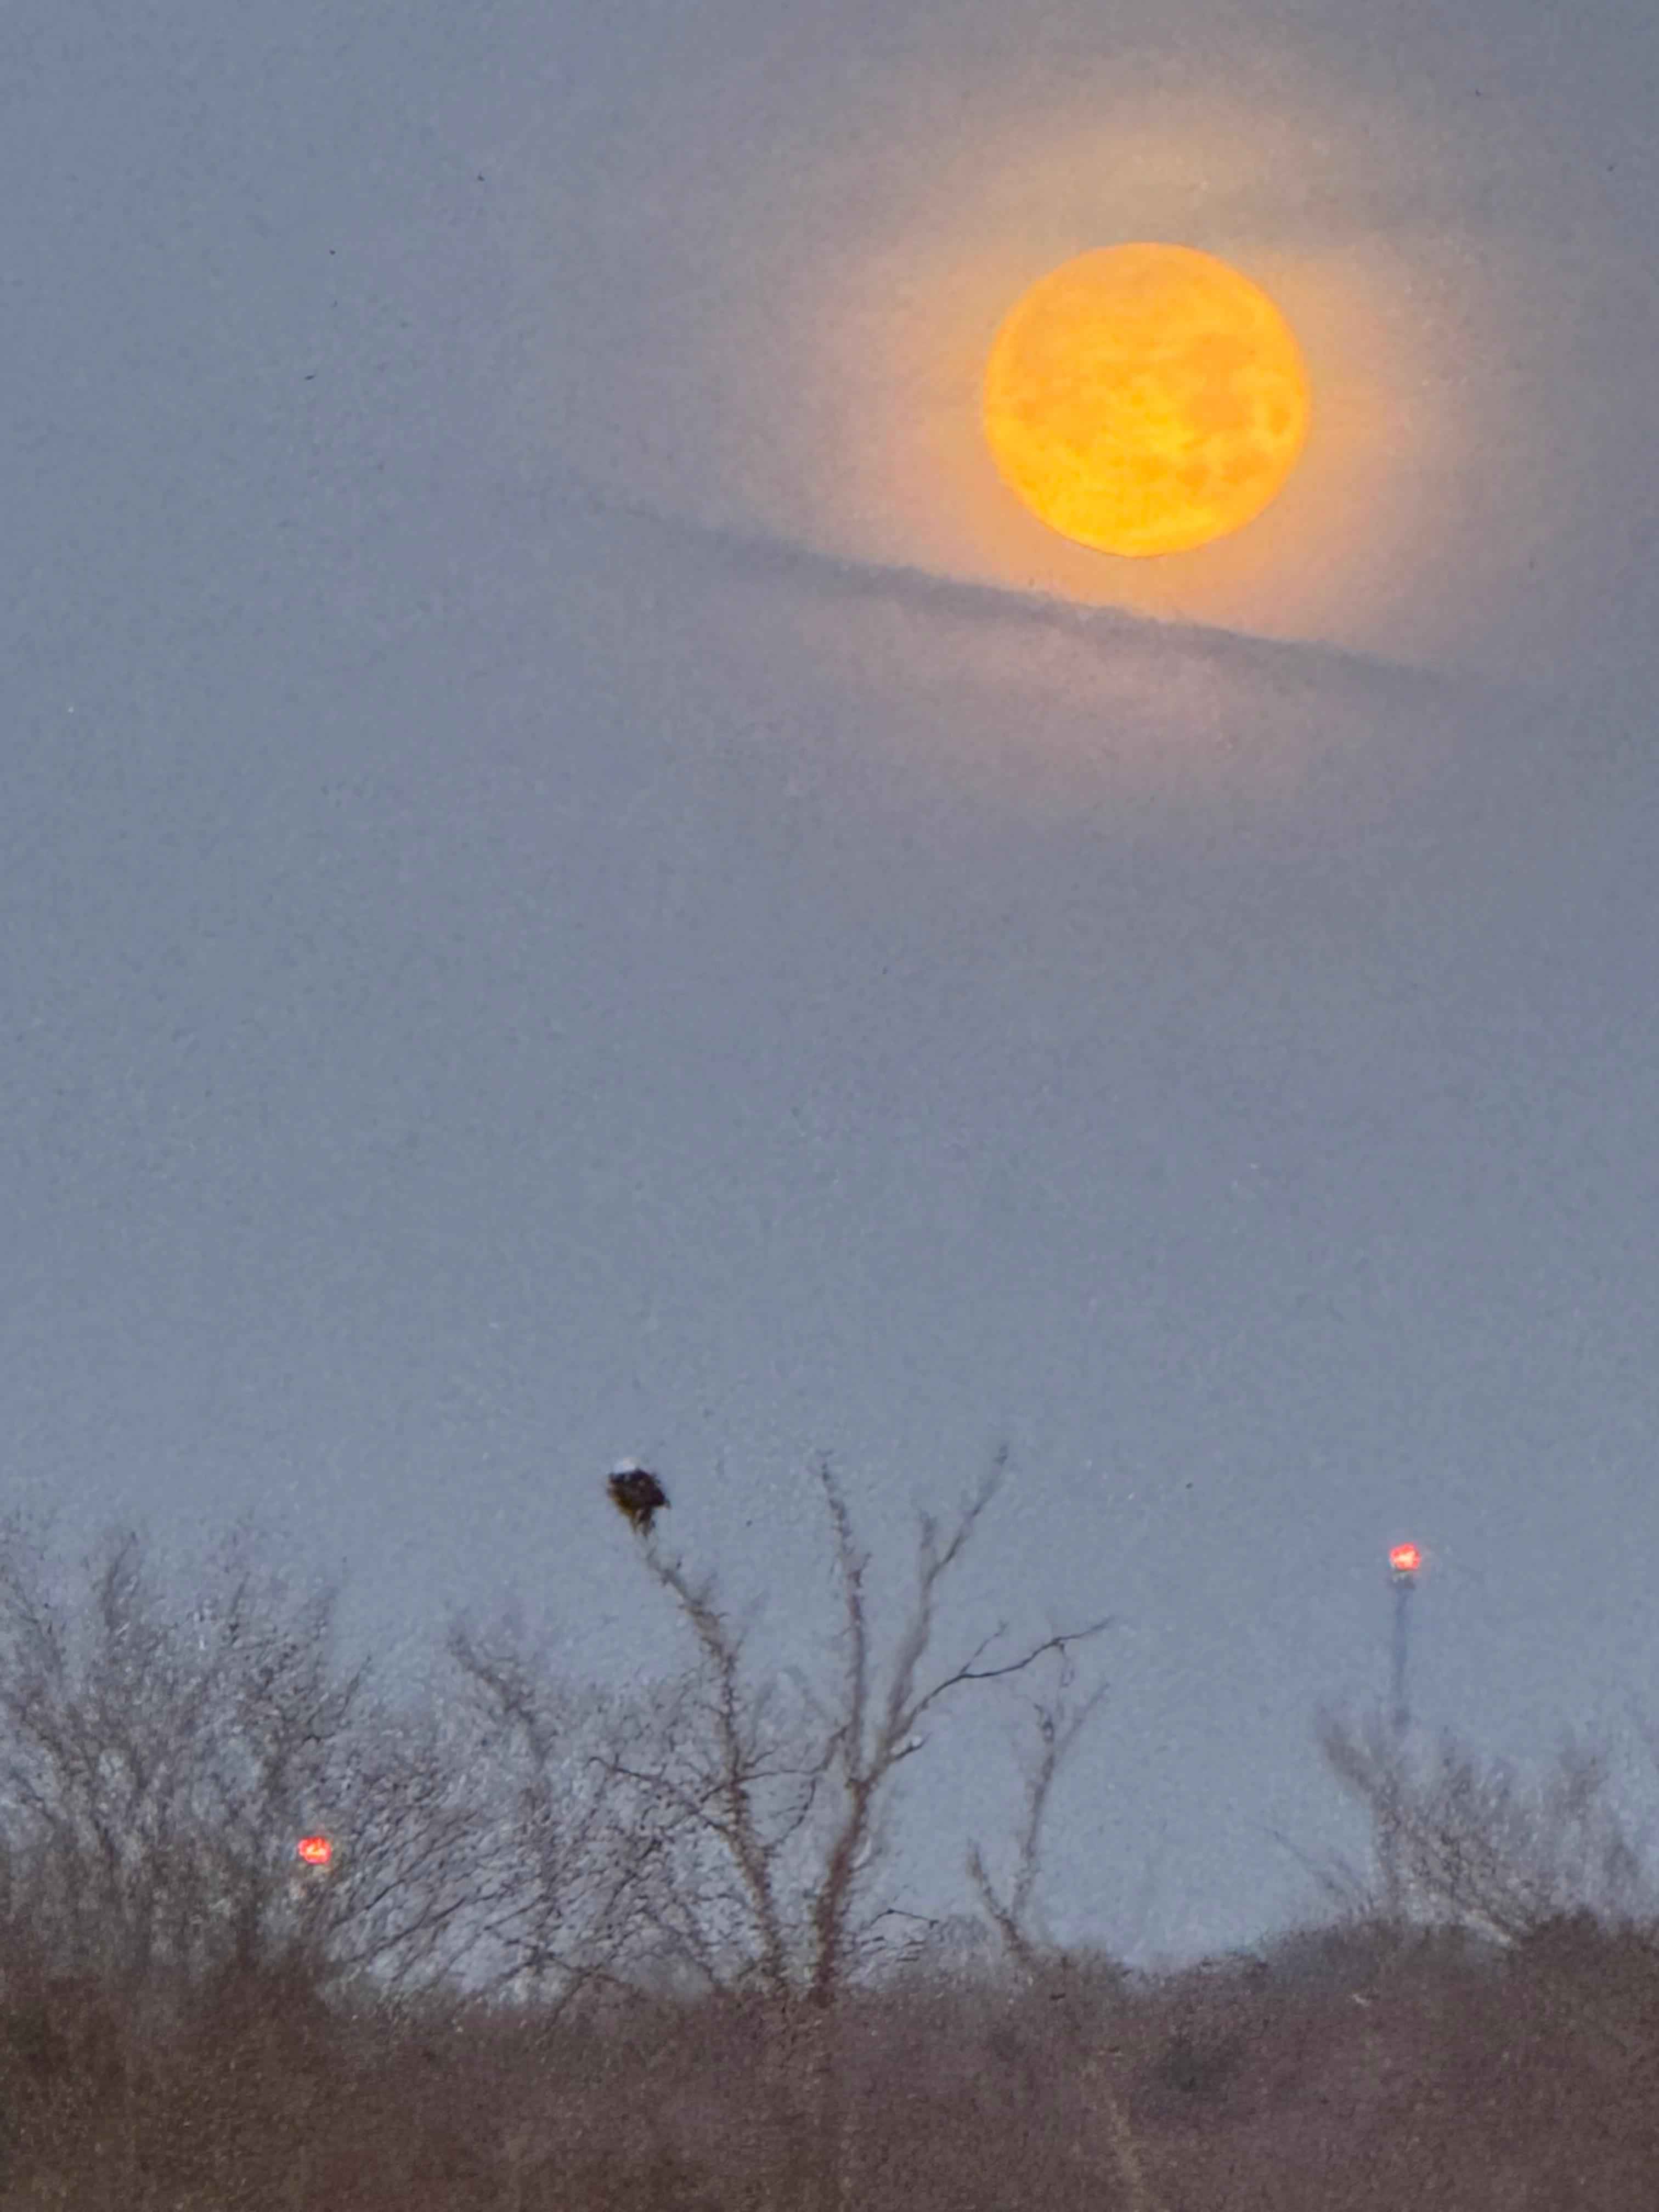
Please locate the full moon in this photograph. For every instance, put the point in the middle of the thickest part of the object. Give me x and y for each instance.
(1146, 399)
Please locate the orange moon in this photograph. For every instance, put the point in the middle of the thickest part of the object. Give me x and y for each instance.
(1145, 399)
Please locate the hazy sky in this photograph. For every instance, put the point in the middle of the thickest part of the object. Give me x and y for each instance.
(576, 880)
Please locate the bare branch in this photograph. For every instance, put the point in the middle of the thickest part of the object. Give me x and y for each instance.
(1458, 1840)
(1058, 1732)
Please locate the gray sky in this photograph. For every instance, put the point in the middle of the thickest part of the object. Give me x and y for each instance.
(562, 894)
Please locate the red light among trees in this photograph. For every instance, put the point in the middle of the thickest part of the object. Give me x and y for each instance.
(315, 1850)
(1405, 1558)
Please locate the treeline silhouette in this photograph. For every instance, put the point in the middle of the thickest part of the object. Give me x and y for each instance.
(627, 1952)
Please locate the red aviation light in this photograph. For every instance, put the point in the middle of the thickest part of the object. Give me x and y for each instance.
(1405, 1558)
(315, 1850)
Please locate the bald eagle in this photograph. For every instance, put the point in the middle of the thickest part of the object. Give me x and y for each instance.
(637, 1494)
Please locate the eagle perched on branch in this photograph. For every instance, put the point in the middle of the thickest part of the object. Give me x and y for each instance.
(637, 1493)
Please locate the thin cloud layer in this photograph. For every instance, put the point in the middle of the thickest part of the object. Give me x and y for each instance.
(1023, 701)
(768, 308)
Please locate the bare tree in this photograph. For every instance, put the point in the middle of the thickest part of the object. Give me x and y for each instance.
(1011, 1909)
(578, 1884)
(158, 1764)
(794, 1803)
(402, 1904)
(776, 1816)
(1459, 1839)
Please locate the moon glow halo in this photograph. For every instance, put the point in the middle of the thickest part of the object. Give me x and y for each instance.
(1144, 400)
